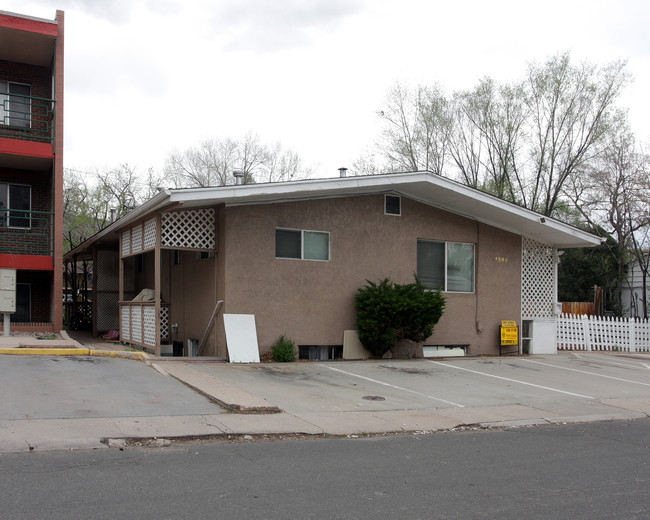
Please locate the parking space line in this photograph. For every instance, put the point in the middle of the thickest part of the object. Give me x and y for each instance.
(393, 386)
(591, 359)
(509, 379)
(588, 373)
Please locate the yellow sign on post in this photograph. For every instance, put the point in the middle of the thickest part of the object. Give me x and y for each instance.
(509, 333)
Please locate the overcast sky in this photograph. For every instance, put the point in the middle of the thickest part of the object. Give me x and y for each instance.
(145, 77)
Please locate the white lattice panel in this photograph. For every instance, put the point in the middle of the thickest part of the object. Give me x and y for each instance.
(164, 323)
(136, 324)
(537, 279)
(126, 242)
(126, 323)
(136, 239)
(150, 233)
(192, 229)
(149, 326)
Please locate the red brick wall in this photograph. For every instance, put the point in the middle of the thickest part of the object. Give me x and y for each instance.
(35, 240)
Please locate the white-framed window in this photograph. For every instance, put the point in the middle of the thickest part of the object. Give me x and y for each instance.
(448, 266)
(15, 104)
(393, 205)
(300, 244)
(15, 205)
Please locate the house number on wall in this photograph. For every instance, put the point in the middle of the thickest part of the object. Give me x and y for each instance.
(501, 259)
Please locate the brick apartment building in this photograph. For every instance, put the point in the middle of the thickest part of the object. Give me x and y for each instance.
(31, 166)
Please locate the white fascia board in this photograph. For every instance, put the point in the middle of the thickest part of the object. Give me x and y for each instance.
(423, 187)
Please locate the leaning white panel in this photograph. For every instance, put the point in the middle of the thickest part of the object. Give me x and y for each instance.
(241, 338)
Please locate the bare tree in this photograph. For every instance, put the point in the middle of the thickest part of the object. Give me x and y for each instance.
(417, 124)
(571, 111)
(212, 162)
(613, 193)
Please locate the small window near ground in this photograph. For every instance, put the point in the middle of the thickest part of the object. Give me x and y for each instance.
(302, 245)
(392, 205)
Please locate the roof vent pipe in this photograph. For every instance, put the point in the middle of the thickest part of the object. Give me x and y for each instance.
(239, 177)
(343, 172)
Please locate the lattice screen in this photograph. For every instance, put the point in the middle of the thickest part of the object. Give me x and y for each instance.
(106, 270)
(126, 323)
(106, 275)
(150, 233)
(537, 279)
(126, 242)
(149, 326)
(192, 229)
(136, 324)
(136, 238)
(164, 324)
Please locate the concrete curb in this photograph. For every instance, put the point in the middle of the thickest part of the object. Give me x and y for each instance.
(72, 351)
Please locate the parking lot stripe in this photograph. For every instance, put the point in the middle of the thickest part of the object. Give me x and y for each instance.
(608, 362)
(394, 386)
(511, 380)
(588, 373)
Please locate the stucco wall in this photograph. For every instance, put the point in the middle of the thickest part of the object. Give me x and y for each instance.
(312, 302)
(192, 296)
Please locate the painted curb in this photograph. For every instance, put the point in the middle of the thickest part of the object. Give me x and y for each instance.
(138, 356)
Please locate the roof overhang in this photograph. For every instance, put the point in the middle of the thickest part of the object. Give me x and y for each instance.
(424, 187)
(26, 39)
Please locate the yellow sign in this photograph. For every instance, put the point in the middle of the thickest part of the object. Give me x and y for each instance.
(509, 333)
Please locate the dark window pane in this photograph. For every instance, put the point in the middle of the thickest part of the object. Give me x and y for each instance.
(431, 264)
(287, 243)
(19, 199)
(19, 105)
(393, 205)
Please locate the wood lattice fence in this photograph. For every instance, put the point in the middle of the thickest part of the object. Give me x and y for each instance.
(602, 333)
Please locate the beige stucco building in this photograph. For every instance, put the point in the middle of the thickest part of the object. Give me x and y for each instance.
(294, 254)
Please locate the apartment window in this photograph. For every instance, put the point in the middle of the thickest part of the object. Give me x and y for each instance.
(392, 205)
(448, 266)
(15, 205)
(15, 104)
(302, 244)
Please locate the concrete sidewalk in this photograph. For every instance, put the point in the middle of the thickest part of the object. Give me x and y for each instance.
(253, 414)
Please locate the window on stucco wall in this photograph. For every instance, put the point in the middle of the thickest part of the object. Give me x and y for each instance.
(448, 266)
(302, 244)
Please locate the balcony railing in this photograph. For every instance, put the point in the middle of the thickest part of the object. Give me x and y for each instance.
(25, 232)
(26, 117)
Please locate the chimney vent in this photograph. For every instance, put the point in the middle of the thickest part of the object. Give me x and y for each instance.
(343, 172)
(239, 177)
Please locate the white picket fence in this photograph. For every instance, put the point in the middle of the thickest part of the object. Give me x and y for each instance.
(602, 333)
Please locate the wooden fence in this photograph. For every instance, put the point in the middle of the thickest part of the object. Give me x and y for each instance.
(602, 333)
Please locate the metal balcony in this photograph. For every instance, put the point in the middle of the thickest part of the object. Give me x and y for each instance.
(26, 117)
(26, 232)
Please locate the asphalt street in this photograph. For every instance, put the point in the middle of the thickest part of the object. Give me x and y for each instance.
(573, 472)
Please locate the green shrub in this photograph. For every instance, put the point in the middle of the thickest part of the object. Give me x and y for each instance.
(284, 350)
(387, 311)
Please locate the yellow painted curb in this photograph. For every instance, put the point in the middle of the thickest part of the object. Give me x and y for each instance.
(27, 351)
(140, 356)
(46, 351)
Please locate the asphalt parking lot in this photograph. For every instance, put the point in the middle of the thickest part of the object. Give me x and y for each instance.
(561, 383)
(72, 387)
